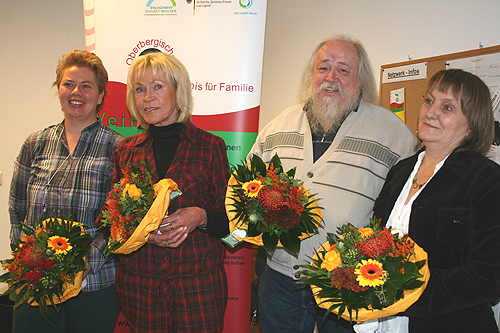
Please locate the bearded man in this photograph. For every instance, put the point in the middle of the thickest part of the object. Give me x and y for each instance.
(343, 145)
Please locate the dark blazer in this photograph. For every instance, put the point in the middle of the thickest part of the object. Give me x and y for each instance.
(456, 220)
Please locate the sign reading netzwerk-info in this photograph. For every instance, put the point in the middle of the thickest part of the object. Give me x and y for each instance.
(221, 43)
(405, 73)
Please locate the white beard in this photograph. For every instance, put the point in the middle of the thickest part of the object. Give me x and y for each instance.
(328, 113)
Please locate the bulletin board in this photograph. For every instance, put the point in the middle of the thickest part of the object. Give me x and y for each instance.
(415, 89)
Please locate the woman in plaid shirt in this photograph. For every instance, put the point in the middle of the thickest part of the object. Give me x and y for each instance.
(176, 282)
(66, 169)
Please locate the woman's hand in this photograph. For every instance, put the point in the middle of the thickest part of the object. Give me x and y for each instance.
(177, 226)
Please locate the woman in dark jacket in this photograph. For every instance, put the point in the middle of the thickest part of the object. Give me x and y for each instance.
(447, 197)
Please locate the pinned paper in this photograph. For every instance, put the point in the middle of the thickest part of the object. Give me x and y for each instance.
(398, 103)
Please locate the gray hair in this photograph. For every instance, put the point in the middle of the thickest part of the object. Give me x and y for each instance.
(365, 72)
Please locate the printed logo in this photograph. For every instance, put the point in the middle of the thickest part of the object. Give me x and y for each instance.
(246, 3)
(160, 7)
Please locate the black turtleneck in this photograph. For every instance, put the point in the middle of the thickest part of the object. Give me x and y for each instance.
(165, 142)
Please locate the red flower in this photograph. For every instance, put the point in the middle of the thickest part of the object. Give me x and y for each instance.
(27, 255)
(124, 180)
(293, 192)
(24, 251)
(346, 278)
(284, 217)
(402, 248)
(271, 199)
(296, 206)
(33, 276)
(34, 260)
(374, 247)
(47, 264)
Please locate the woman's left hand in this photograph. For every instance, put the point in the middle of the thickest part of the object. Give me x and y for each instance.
(178, 225)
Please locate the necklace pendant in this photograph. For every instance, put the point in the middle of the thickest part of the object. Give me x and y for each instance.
(416, 185)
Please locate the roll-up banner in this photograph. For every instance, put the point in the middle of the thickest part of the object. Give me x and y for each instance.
(221, 43)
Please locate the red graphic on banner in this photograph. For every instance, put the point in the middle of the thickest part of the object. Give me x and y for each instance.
(238, 264)
(122, 325)
(114, 111)
(239, 121)
(115, 114)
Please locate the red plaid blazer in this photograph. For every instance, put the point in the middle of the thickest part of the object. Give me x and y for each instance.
(181, 289)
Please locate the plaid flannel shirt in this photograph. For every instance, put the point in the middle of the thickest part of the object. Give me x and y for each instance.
(47, 180)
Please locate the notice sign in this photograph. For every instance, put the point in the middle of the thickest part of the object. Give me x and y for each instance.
(405, 73)
(398, 103)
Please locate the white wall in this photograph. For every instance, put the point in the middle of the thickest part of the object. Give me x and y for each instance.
(36, 33)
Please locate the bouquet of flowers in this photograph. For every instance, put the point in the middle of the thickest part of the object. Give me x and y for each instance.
(135, 207)
(267, 206)
(47, 263)
(373, 271)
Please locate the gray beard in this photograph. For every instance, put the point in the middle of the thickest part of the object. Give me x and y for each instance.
(327, 115)
(330, 114)
(324, 113)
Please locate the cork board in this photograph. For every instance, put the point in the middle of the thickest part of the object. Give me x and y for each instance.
(415, 89)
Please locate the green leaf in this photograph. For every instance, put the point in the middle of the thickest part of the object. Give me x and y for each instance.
(276, 163)
(252, 230)
(291, 241)
(420, 264)
(413, 284)
(258, 166)
(13, 297)
(291, 172)
(270, 242)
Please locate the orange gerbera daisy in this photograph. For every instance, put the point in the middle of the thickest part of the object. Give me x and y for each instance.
(59, 245)
(252, 188)
(370, 273)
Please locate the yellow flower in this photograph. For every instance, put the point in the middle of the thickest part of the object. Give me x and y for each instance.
(133, 191)
(370, 273)
(366, 232)
(59, 245)
(332, 260)
(252, 188)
